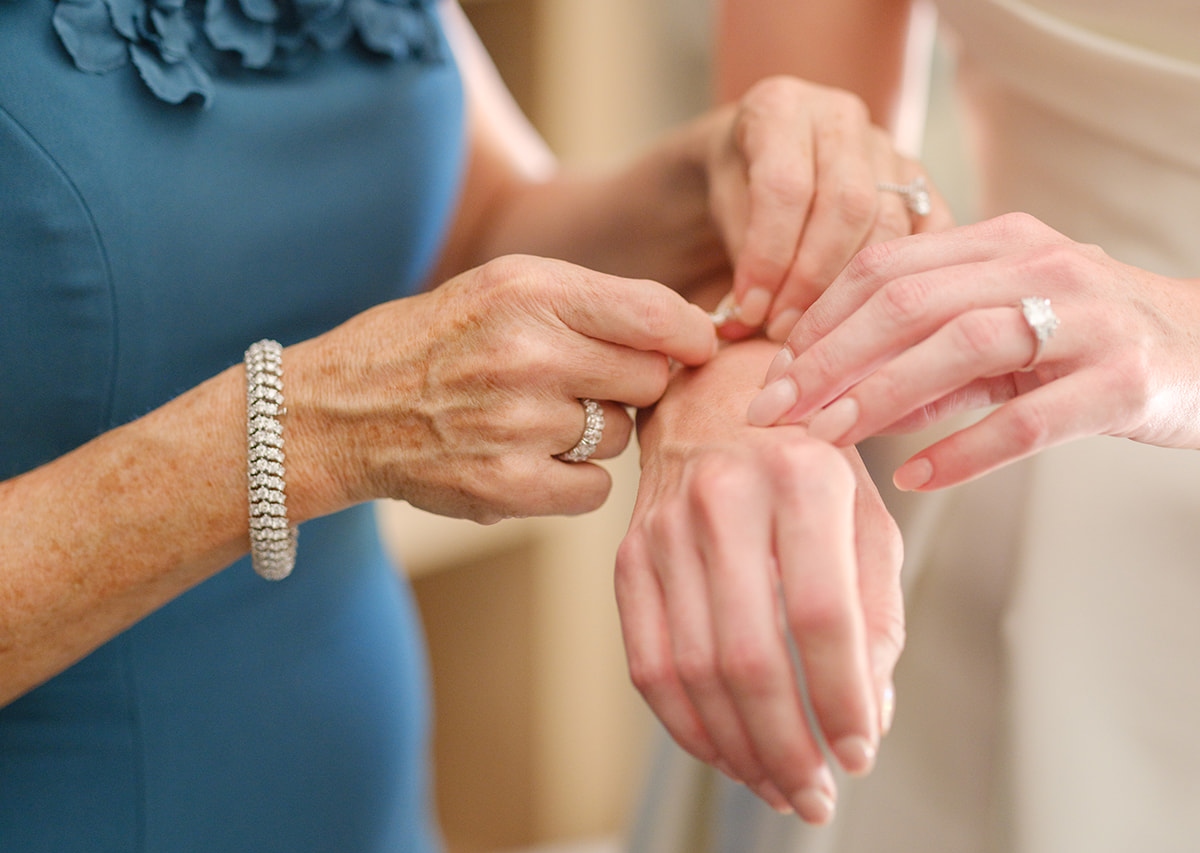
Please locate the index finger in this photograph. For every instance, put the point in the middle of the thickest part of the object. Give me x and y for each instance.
(877, 265)
(845, 205)
(639, 314)
(777, 183)
(756, 667)
(815, 541)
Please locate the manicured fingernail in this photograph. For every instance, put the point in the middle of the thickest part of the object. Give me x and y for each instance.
(772, 402)
(856, 754)
(779, 363)
(726, 310)
(777, 329)
(913, 474)
(817, 802)
(887, 709)
(835, 420)
(752, 309)
(814, 806)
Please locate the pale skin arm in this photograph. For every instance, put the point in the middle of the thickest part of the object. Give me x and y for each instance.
(857, 45)
(734, 527)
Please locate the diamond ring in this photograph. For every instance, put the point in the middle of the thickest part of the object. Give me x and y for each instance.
(1042, 321)
(915, 195)
(593, 429)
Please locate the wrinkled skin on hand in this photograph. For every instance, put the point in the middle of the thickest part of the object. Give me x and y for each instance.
(458, 400)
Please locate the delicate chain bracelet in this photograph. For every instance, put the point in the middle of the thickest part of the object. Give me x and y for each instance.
(272, 539)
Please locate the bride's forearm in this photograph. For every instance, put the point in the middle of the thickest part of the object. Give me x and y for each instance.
(649, 219)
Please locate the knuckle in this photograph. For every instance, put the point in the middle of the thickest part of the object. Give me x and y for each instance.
(818, 616)
(906, 300)
(872, 261)
(660, 525)
(1015, 225)
(649, 674)
(511, 417)
(1029, 425)
(825, 361)
(850, 105)
(770, 92)
(786, 187)
(857, 203)
(816, 469)
(659, 312)
(978, 333)
(712, 477)
(746, 667)
(892, 221)
(1131, 377)
(697, 670)
(504, 273)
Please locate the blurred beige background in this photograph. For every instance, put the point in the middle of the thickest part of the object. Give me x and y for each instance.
(540, 739)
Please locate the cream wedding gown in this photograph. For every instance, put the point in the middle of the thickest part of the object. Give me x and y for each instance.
(1049, 697)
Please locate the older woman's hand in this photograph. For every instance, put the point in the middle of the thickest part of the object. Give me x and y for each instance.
(794, 185)
(919, 329)
(458, 400)
(743, 542)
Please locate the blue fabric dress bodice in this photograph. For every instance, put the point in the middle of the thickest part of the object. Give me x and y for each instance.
(143, 245)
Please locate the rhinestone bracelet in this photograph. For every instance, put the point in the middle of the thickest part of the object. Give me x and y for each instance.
(272, 539)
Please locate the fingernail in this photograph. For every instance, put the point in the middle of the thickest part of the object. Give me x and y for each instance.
(779, 364)
(725, 311)
(912, 474)
(814, 806)
(778, 328)
(835, 420)
(887, 709)
(752, 309)
(817, 802)
(772, 402)
(856, 754)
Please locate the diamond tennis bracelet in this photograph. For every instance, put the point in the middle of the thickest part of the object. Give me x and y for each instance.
(272, 539)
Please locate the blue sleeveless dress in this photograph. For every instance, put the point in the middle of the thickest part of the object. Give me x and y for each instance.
(177, 180)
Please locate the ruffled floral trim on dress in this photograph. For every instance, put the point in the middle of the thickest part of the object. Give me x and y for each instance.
(166, 39)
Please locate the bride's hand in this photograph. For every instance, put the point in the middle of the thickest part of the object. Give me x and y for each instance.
(794, 175)
(745, 540)
(919, 329)
(458, 400)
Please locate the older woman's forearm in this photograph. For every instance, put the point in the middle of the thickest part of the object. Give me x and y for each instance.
(102, 536)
